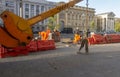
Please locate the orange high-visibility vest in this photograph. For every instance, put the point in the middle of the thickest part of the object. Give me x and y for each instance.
(76, 38)
(43, 35)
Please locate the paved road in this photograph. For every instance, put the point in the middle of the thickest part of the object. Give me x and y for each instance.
(102, 61)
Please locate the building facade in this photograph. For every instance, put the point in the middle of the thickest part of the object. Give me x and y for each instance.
(105, 22)
(10, 5)
(28, 9)
(75, 17)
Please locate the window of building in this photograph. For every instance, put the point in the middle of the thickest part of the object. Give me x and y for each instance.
(9, 4)
(76, 16)
(69, 16)
(42, 22)
(26, 5)
(73, 17)
(32, 10)
(6, 4)
(42, 8)
(32, 7)
(104, 23)
(26, 16)
(37, 9)
(26, 8)
(62, 16)
(37, 27)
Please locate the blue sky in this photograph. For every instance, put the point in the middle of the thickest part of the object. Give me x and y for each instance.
(101, 6)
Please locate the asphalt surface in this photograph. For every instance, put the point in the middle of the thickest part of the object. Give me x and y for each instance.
(102, 61)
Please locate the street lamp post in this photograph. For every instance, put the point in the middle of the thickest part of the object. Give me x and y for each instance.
(21, 8)
(87, 32)
(86, 18)
(84, 41)
(83, 22)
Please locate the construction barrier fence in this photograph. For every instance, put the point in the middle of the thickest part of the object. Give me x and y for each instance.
(33, 46)
(105, 39)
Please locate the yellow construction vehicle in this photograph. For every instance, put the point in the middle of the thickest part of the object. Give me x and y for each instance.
(16, 31)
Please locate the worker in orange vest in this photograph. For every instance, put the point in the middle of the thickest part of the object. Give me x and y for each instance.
(43, 35)
(77, 38)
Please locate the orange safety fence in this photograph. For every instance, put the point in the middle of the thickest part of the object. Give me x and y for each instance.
(32, 46)
(35, 45)
(108, 38)
(17, 51)
(98, 39)
(51, 45)
(2, 52)
(90, 41)
(112, 38)
(46, 44)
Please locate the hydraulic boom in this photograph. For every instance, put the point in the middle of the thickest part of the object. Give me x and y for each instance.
(16, 31)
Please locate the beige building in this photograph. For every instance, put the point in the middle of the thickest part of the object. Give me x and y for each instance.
(105, 22)
(75, 17)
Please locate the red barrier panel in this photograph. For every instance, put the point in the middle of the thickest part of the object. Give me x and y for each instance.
(98, 39)
(90, 41)
(115, 38)
(3, 52)
(13, 52)
(42, 44)
(108, 38)
(118, 37)
(21, 50)
(51, 44)
(32, 46)
(46, 44)
(24, 50)
(112, 38)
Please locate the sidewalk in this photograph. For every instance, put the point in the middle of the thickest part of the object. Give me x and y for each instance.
(60, 44)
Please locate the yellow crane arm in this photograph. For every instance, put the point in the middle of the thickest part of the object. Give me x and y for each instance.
(17, 31)
(52, 12)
